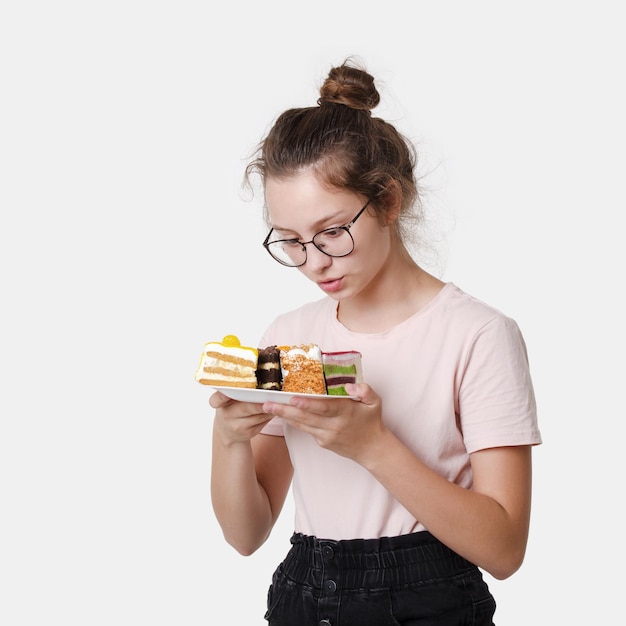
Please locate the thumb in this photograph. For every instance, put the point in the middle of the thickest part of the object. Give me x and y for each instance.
(363, 392)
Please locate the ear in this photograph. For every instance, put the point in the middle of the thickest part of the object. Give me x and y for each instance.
(392, 199)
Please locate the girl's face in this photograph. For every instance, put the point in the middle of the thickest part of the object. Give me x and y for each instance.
(300, 207)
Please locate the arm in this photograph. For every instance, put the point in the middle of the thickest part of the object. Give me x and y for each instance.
(488, 524)
(250, 474)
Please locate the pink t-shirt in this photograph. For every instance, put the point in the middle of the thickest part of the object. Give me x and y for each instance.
(453, 378)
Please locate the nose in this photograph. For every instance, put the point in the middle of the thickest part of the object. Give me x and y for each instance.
(316, 260)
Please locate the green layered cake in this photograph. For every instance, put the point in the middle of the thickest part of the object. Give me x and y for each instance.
(341, 368)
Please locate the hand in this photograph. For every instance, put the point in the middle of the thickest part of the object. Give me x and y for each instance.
(348, 427)
(236, 421)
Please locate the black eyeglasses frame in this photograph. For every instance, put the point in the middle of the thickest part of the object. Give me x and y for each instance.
(345, 227)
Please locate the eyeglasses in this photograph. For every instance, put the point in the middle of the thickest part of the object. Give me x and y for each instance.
(335, 242)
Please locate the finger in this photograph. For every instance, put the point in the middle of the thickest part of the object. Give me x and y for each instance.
(218, 400)
(300, 407)
(363, 392)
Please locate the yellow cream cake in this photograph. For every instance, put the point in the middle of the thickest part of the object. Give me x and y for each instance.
(228, 364)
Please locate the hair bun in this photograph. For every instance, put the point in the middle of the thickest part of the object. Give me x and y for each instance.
(351, 86)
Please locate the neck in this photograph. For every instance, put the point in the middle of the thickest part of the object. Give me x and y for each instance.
(401, 290)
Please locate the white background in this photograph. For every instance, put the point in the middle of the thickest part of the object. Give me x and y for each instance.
(126, 242)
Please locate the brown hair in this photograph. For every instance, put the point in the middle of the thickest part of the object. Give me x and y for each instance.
(344, 145)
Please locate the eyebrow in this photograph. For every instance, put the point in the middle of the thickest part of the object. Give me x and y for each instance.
(315, 226)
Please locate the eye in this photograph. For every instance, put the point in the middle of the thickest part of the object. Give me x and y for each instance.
(331, 233)
(290, 243)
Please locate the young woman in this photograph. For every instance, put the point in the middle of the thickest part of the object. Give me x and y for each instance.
(404, 495)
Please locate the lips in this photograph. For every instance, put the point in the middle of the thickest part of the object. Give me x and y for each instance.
(331, 286)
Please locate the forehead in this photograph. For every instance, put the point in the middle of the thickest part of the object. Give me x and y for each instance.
(303, 200)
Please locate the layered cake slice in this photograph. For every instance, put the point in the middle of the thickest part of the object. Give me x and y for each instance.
(341, 368)
(268, 371)
(301, 368)
(228, 364)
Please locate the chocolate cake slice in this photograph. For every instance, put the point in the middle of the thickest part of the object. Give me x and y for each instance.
(268, 371)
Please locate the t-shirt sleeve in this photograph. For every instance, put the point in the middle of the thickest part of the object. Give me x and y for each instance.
(496, 399)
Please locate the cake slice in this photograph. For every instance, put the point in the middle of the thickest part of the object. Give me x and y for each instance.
(341, 368)
(301, 368)
(228, 364)
(268, 373)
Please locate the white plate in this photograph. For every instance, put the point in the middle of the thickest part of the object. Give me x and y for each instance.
(266, 395)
